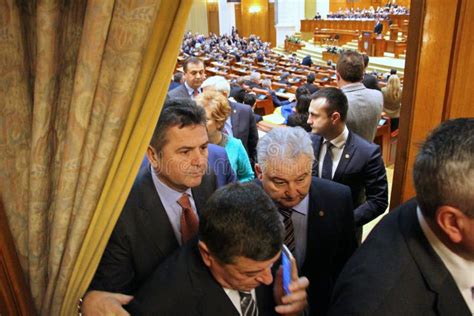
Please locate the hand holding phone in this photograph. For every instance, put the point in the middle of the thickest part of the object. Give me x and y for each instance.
(286, 258)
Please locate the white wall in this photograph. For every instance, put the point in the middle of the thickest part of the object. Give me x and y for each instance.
(289, 14)
(322, 6)
(226, 17)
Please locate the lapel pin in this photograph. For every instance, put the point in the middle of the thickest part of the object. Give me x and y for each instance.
(347, 156)
(321, 213)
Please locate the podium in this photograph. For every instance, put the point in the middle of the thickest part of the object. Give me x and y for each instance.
(371, 45)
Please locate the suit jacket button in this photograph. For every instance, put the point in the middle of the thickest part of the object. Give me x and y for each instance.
(347, 156)
(321, 213)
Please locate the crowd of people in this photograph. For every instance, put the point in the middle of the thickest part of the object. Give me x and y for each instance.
(366, 14)
(202, 230)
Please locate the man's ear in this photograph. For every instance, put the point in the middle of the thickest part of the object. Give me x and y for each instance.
(205, 253)
(336, 117)
(153, 156)
(258, 171)
(448, 219)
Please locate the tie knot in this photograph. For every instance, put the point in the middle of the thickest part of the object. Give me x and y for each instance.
(286, 212)
(184, 202)
(245, 295)
(195, 92)
(329, 145)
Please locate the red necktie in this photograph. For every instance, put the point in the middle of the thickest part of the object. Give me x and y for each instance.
(195, 92)
(189, 220)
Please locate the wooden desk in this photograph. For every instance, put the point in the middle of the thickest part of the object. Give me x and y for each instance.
(293, 47)
(350, 25)
(382, 138)
(330, 56)
(340, 36)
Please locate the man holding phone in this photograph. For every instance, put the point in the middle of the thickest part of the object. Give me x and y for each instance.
(227, 270)
(317, 213)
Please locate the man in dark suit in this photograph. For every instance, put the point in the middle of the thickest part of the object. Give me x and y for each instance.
(369, 81)
(419, 260)
(307, 61)
(241, 123)
(350, 160)
(310, 83)
(178, 80)
(378, 28)
(228, 270)
(161, 211)
(194, 75)
(317, 213)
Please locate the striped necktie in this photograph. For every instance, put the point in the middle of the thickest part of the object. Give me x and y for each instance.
(289, 229)
(326, 172)
(247, 304)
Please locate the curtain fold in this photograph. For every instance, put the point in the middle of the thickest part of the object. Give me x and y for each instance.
(79, 98)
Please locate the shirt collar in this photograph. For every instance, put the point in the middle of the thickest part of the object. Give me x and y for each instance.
(353, 86)
(190, 90)
(168, 196)
(341, 139)
(461, 269)
(302, 207)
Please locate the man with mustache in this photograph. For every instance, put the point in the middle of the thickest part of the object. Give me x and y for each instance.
(317, 213)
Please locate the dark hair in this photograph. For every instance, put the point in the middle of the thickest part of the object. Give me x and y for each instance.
(241, 220)
(336, 101)
(240, 95)
(310, 78)
(302, 104)
(350, 66)
(249, 99)
(366, 60)
(393, 71)
(180, 112)
(301, 91)
(178, 77)
(191, 60)
(444, 168)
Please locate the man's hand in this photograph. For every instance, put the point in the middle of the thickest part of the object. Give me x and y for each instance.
(98, 303)
(295, 302)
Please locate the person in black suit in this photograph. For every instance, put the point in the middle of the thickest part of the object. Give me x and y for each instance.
(194, 75)
(317, 213)
(353, 161)
(310, 83)
(149, 228)
(419, 260)
(178, 80)
(227, 271)
(307, 61)
(241, 123)
(378, 28)
(369, 81)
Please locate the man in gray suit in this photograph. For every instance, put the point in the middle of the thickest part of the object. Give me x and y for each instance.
(194, 75)
(365, 105)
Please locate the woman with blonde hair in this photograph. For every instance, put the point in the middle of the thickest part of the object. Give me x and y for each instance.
(392, 100)
(217, 111)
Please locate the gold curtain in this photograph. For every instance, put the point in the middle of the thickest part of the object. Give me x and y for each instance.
(81, 88)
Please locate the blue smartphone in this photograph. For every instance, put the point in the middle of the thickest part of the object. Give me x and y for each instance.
(286, 257)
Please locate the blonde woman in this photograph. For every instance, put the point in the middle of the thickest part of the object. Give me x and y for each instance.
(392, 100)
(217, 111)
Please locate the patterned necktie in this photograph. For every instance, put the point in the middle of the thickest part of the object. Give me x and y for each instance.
(289, 229)
(326, 172)
(189, 220)
(247, 304)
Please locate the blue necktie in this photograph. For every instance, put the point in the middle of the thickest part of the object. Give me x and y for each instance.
(326, 172)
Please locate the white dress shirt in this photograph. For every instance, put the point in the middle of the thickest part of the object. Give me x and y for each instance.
(339, 143)
(460, 269)
(234, 296)
(169, 198)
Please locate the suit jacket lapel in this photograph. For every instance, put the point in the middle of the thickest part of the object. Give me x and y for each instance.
(317, 143)
(202, 193)
(152, 210)
(316, 205)
(346, 157)
(449, 299)
(234, 119)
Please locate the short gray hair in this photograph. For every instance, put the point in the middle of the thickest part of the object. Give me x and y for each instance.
(219, 84)
(283, 143)
(266, 83)
(255, 76)
(444, 168)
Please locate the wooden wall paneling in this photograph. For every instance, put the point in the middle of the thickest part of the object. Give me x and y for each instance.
(255, 23)
(238, 17)
(213, 17)
(271, 24)
(439, 59)
(15, 296)
(460, 102)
